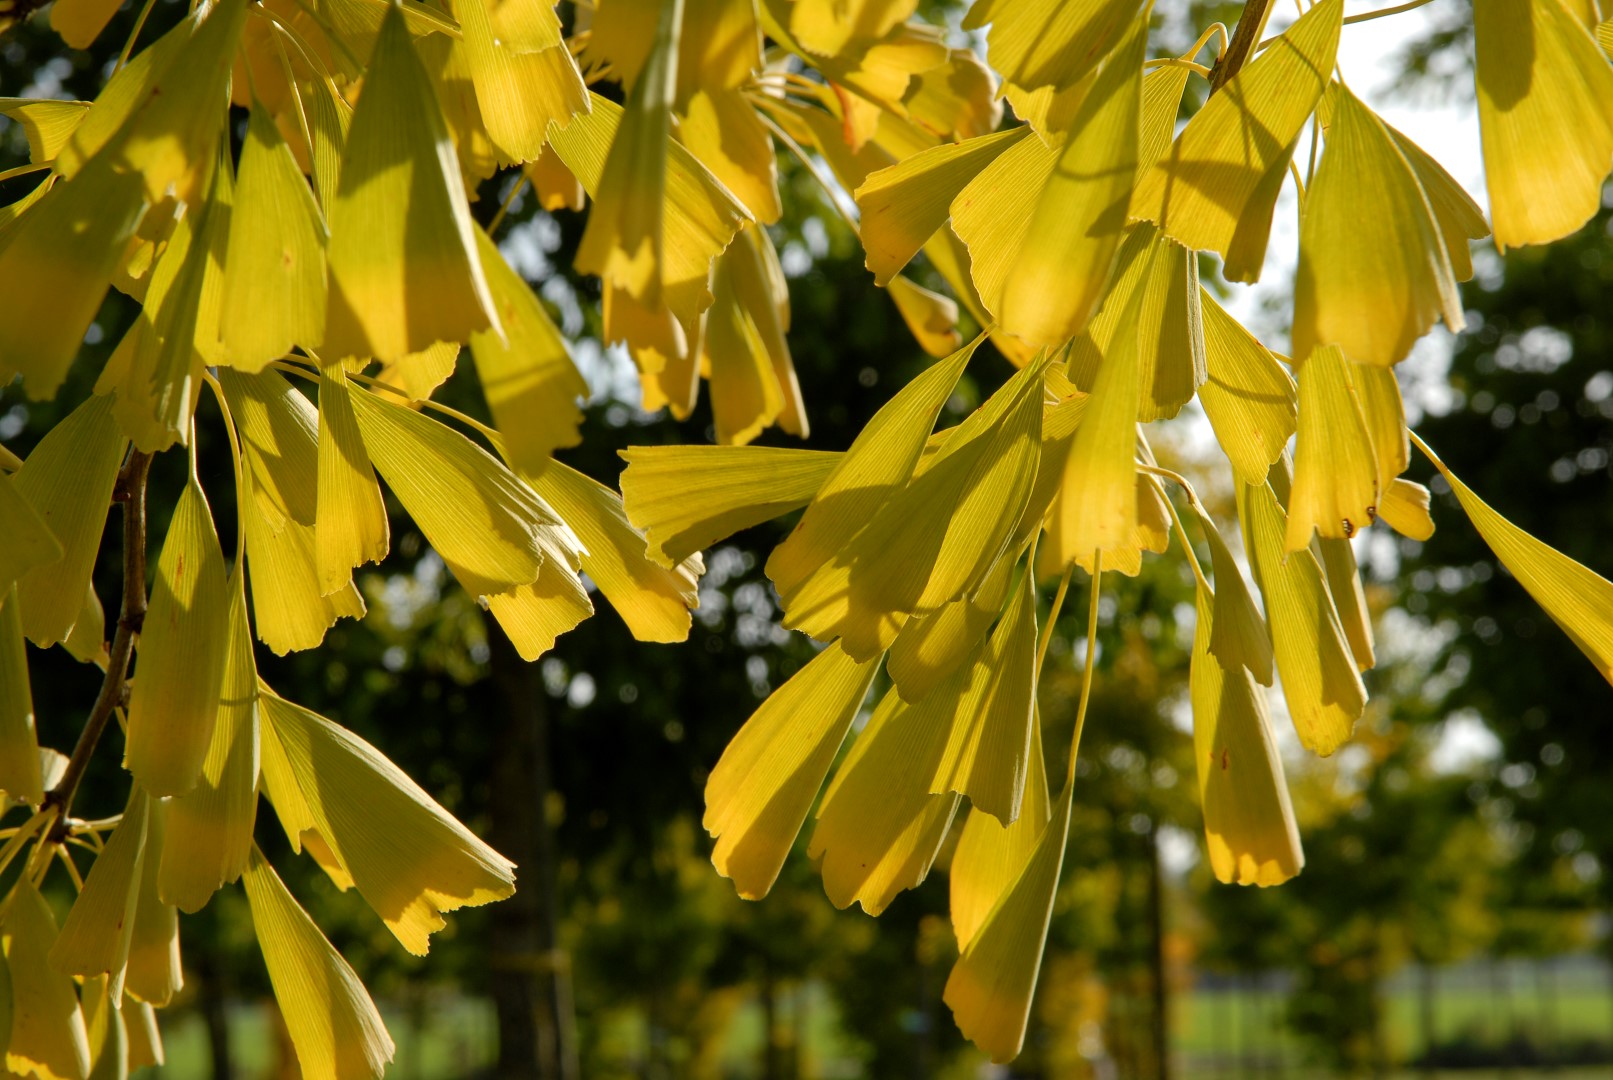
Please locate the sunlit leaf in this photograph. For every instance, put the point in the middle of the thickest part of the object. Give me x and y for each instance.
(48, 1037)
(1335, 469)
(1404, 508)
(20, 777)
(519, 90)
(95, 938)
(1251, 400)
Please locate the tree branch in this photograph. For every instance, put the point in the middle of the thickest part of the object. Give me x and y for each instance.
(131, 492)
(1244, 40)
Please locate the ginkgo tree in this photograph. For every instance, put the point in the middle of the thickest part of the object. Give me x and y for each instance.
(320, 283)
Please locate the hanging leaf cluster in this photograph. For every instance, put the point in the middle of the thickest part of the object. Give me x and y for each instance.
(324, 280)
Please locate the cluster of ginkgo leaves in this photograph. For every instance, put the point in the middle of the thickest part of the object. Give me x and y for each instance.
(337, 252)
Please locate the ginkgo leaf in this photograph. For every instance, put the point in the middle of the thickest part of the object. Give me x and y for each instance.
(762, 787)
(279, 429)
(534, 615)
(1216, 188)
(183, 646)
(406, 855)
(415, 376)
(95, 938)
(761, 290)
(958, 99)
(48, 1037)
(880, 460)
(989, 216)
(1239, 638)
(210, 829)
(1162, 102)
(686, 498)
(1050, 42)
(1096, 508)
(1545, 95)
(1320, 680)
(108, 1036)
(989, 745)
(274, 275)
(746, 395)
(654, 600)
(1459, 217)
(935, 539)
(1385, 414)
(553, 183)
(68, 480)
(529, 379)
(902, 206)
(825, 27)
(46, 124)
(20, 777)
(879, 827)
(1249, 825)
(480, 517)
(1404, 508)
(350, 523)
(990, 988)
(1577, 598)
(404, 271)
(332, 1022)
(721, 128)
(1349, 598)
(1335, 468)
(1374, 274)
(990, 855)
(1161, 278)
(519, 92)
(26, 541)
(290, 609)
(1063, 267)
(128, 88)
(329, 117)
(60, 258)
(145, 1041)
(930, 648)
(1250, 399)
(930, 317)
(86, 642)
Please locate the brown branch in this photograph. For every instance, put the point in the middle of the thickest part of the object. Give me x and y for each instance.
(1244, 40)
(131, 492)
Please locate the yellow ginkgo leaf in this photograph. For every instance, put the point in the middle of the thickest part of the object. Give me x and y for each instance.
(350, 524)
(534, 615)
(1319, 676)
(68, 480)
(1161, 278)
(902, 206)
(46, 124)
(529, 379)
(480, 517)
(988, 748)
(415, 376)
(825, 27)
(1216, 188)
(746, 395)
(145, 1041)
(407, 856)
(880, 461)
(86, 642)
(625, 236)
(279, 429)
(274, 275)
(25, 540)
(329, 117)
(1239, 637)
(1074, 230)
(210, 829)
(721, 128)
(1249, 825)
(879, 827)
(957, 100)
(80, 22)
(1404, 508)
(1162, 102)
(761, 290)
(404, 271)
(1385, 414)
(1577, 598)
(59, 258)
(95, 938)
(990, 855)
(1459, 217)
(1545, 97)
(1096, 508)
(989, 214)
(1050, 42)
(519, 92)
(653, 600)
(332, 1022)
(180, 663)
(48, 1037)
(1349, 598)
(1374, 273)
(1251, 400)
(1335, 468)
(20, 777)
(129, 87)
(990, 988)
(931, 317)
(930, 648)
(761, 789)
(553, 183)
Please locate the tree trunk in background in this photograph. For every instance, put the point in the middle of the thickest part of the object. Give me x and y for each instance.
(531, 977)
(1161, 1033)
